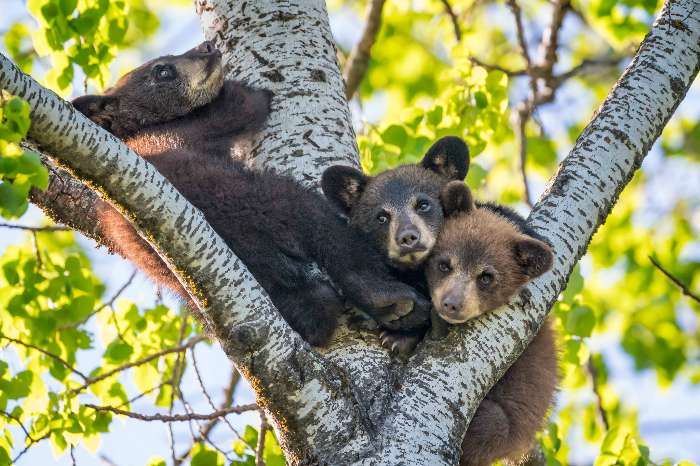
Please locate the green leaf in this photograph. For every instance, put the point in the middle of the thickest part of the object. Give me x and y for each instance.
(87, 22)
(202, 456)
(395, 135)
(574, 287)
(10, 271)
(481, 99)
(49, 11)
(19, 386)
(476, 176)
(118, 352)
(67, 6)
(541, 151)
(102, 421)
(435, 115)
(5, 459)
(580, 321)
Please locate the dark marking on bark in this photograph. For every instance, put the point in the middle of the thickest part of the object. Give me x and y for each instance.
(273, 75)
(318, 76)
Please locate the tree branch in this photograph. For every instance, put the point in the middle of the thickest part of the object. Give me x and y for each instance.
(353, 404)
(492, 67)
(683, 287)
(139, 362)
(576, 202)
(520, 32)
(454, 18)
(260, 449)
(550, 37)
(175, 417)
(68, 201)
(358, 61)
(55, 357)
(48, 229)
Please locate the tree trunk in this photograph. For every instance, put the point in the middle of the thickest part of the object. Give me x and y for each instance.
(350, 403)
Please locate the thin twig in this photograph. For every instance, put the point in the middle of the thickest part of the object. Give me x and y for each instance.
(178, 349)
(31, 444)
(358, 61)
(593, 372)
(209, 426)
(520, 31)
(37, 250)
(175, 392)
(550, 37)
(175, 417)
(19, 423)
(46, 353)
(492, 67)
(521, 115)
(106, 460)
(683, 287)
(109, 303)
(586, 66)
(454, 18)
(142, 394)
(48, 229)
(260, 450)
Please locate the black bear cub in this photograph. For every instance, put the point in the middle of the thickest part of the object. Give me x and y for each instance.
(178, 113)
(485, 254)
(399, 212)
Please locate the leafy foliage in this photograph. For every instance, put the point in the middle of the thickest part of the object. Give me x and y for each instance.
(20, 170)
(87, 33)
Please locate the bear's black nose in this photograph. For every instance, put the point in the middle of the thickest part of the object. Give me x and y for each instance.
(408, 238)
(451, 303)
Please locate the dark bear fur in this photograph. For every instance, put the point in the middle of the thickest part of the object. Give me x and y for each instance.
(164, 111)
(400, 213)
(484, 254)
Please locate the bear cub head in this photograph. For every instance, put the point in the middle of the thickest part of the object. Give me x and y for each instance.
(160, 90)
(399, 210)
(481, 258)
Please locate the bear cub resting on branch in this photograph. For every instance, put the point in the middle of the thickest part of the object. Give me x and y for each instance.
(484, 254)
(471, 258)
(178, 113)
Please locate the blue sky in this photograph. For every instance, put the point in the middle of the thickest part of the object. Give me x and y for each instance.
(669, 418)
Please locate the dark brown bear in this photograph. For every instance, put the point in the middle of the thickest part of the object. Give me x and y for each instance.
(400, 213)
(399, 210)
(483, 256)
(179, 114)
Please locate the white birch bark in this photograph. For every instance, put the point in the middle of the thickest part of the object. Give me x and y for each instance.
(352, 404)
(287, 47)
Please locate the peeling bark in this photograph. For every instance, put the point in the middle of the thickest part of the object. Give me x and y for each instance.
(351, 404)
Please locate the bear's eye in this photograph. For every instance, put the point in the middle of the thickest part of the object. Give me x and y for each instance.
(485, 278)
(164, 73)
(444, 266)
(382, 217)
(423, 206)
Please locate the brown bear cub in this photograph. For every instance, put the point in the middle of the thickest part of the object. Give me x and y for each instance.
(483, 256)
(178, 113)
(399, 212)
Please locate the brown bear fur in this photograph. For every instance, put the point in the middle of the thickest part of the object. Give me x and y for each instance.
(483, 256)
(179, 114)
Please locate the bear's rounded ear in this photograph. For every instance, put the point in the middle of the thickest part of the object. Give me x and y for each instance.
(533, 256)
(449, 157)
(98, 108)
(456, 198)
(343, 186)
